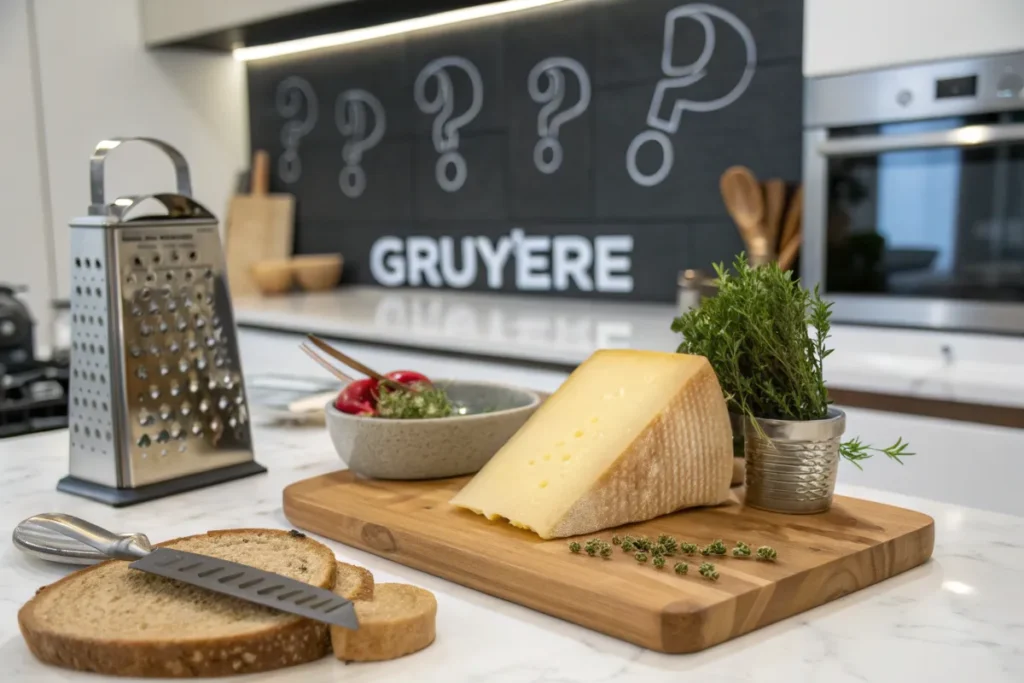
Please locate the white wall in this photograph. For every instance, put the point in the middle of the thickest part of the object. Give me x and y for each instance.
(25, 257)
(99, 81)
(852, 35)
(95, 79)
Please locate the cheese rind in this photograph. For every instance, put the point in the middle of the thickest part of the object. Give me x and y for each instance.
(630, 436)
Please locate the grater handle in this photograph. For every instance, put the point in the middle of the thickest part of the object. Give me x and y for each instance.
(181, 173)
(107, 543)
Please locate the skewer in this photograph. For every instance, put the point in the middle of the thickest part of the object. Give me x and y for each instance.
(352, 362)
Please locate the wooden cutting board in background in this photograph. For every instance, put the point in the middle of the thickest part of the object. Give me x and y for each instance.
(259, 228)
(821, 557)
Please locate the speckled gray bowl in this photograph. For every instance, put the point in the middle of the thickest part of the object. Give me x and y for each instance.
(434, 448)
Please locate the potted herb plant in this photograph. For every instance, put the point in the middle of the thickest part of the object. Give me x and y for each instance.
(765, 336)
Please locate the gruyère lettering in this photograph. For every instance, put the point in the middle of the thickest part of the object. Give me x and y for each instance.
(630, 436)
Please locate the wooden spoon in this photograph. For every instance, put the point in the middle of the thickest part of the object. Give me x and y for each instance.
(745, 203)
(790, 250)
(794, 215)
(774, 206)
(792, 233)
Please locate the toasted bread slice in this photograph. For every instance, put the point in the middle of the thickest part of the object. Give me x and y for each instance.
(353, 583)
(398, 621)
(114, 620)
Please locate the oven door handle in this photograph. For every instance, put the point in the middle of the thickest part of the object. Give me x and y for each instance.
(965, 136)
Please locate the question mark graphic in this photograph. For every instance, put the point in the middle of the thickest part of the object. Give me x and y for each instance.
(350, 117)
(291, 93)
(680, 76)
(445, 131)
(551, 96)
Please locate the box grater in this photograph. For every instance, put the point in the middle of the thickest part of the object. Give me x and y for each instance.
(157, 401)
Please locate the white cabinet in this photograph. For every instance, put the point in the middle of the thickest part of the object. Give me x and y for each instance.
(853, 35)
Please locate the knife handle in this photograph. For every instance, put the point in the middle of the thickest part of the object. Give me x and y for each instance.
(106, 543)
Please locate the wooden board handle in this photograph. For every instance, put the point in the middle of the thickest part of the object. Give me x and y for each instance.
(260, 173)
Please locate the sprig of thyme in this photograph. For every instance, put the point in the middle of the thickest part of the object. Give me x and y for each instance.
(855, 451)
(596, 546)
(716, 547)
(642, 543)
(670, 545)
(756, 333)
(657, 552)
(708, 571)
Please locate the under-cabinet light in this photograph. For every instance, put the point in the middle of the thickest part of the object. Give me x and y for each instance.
(359, 35)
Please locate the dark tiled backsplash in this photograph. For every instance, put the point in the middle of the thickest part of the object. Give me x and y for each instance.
(675, 224)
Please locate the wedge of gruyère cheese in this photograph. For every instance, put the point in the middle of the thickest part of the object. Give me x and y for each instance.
(630, 436)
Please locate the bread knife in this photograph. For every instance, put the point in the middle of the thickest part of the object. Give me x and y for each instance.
(65, 538)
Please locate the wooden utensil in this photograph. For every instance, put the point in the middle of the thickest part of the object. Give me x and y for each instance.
(794, 214)
(789, 252)
(351, 362)
(792, 234)
(324, 364)
(820, 557)
(774, 206)
(745, 203)
(259, 228)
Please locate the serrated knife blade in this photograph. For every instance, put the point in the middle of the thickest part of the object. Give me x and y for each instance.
(250, 584)
(63, 538)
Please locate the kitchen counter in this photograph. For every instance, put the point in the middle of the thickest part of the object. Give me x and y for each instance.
(561, 333)
(955, 618)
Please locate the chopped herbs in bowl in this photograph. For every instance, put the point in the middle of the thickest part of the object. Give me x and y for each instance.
(414, 402)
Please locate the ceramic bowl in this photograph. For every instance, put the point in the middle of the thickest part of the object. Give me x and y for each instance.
(317, 272)
(272, 277)
(437, 447)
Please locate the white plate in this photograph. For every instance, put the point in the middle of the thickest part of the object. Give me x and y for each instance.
(274, 397)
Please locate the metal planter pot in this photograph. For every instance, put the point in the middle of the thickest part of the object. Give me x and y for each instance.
(794, 470)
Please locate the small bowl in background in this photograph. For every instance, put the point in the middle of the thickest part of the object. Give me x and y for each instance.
(317, 272)
(272, 277)
(438, 447)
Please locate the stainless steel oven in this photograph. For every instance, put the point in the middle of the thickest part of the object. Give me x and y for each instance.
(914, 194)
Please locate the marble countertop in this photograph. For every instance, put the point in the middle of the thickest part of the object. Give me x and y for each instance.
(563, 332)
(957, 617)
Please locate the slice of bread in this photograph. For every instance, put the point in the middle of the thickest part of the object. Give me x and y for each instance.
(114, 620)
(398, 621)
(353, 583)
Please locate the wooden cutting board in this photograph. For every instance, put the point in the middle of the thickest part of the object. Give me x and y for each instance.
(821, 557)
(259, 228)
